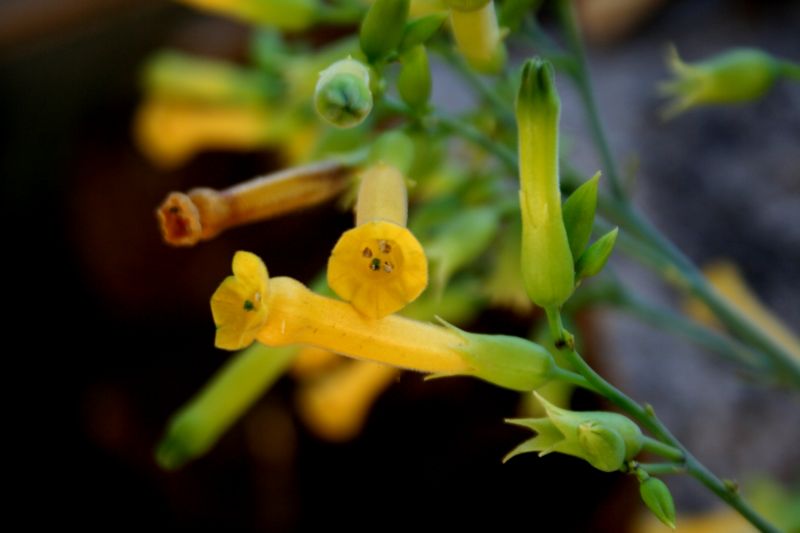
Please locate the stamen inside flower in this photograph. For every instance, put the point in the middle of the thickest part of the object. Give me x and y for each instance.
(378, 267)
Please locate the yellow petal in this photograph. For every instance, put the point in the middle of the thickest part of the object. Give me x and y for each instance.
(378, 267)
(238, 305)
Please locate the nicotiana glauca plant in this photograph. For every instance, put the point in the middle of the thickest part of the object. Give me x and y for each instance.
(437, 237)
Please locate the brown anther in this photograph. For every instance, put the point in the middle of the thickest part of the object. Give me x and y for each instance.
(384, 247)
(367, 252)
(387, 266)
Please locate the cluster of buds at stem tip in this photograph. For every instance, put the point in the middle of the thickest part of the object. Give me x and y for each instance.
(202, 213)
(477, 34)
(281, 311)
(604, 440)
(343, 97)
(379, 266)
(547, 263)
(738, 75)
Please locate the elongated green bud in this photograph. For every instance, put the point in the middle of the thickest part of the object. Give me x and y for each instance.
(510, 362)
(656, 495)
(343, 97)
(173, 74)
(283, 14)
(414, 81)
(383, 27)
(547, 264)
(198, 425)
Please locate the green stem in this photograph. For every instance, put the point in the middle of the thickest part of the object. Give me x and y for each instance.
(647, 418)
(573, 378)
(661, 469)
(664, 450)
(583, 82)
(470, 133)
(501, 107)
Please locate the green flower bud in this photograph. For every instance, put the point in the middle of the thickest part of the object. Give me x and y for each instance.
(197, 426)
(420, 30)
(343, 97)
(547, 264)
(593, 260)
(460, 241)
(414, 81)
(604, 440)
(579, 212)
(477, 35)
(655, 494)
(510, 362)
(738, 75)
(383, 27)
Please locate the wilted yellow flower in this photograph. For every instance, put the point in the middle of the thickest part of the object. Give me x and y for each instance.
(203, 213)
(379, 266)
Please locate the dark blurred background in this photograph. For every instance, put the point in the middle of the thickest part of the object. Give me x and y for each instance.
(112, 332)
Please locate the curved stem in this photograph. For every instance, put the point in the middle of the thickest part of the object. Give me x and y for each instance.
(573, 378)
(664, 450)
(790, 70)
(646, 416)
(661, 469)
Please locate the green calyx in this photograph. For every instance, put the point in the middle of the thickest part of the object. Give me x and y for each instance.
(605, 440)
(510, 362)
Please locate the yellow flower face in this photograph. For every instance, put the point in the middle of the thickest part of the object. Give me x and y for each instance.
(378, 267)
(239, 304)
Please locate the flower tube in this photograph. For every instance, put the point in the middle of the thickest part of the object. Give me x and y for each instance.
(201, 214)
(379, 266)
(249, 306)
(477, 34)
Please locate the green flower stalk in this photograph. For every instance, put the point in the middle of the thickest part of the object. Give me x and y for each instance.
(342, 96)
(604, 440)
(547, 264)
(738, 75)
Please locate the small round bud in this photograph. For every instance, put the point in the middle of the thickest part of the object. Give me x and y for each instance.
(414, 81)
(342, 96)
(655, 494)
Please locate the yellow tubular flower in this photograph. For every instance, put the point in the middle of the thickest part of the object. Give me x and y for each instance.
(311, 362)
(379, 266)
(283, 14)
(170, 133)
(282, 312)
(336, 407)
(728, 281)
(201, 214)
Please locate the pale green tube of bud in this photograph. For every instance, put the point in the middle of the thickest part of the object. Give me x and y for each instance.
(547, 264)
(477, 34)
(197, 426)
(342, 96)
